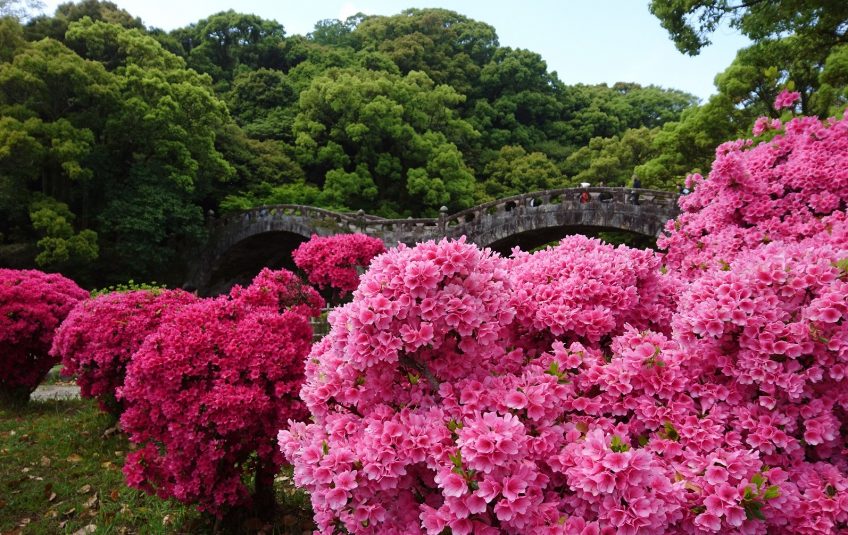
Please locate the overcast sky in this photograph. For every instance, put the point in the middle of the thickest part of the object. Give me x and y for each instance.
(584, 42)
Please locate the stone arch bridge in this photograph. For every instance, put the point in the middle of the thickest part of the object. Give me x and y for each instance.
(243, 242)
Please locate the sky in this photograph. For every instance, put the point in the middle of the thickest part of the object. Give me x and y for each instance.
(601, 41)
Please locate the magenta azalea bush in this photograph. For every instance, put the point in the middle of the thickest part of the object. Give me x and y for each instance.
(32, 305)
(100, 336)
(279, 290)
(588, 389)
(333, 261)
(208, 390)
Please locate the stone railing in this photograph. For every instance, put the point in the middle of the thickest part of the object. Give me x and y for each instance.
(371, 224)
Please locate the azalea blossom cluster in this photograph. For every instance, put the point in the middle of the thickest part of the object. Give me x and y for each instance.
(207, 391)
(100, 335)
(782, 190)
(579, 290)
(588, 389)
(32, 305)
(336, 261)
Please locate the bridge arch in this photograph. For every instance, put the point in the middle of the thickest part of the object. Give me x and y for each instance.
(239, 239)
(538, 218)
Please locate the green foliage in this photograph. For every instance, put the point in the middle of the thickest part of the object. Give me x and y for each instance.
(60, 247)
(55, 27)
(450, 48)
(263, 103)
(611, 161)
(515, 171)
(129, 286)
(228, 41)
(690, 22)
(363, 134)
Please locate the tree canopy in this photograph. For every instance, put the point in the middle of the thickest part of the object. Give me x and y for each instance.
(117, 141)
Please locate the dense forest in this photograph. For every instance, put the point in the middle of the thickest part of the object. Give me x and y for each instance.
(118, 141)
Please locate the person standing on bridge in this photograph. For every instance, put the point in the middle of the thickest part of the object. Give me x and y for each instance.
(605, 196)
(634, 194)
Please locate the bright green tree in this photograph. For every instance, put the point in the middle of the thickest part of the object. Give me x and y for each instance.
(384, 142)
(516, 171)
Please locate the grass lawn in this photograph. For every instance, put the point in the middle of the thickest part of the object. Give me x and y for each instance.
(59, 473)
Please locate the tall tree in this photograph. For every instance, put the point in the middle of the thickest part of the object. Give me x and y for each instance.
(379, 141)
(451, 48)
(220, 44)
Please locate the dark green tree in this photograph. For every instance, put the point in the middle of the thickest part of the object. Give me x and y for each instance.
(225, 42)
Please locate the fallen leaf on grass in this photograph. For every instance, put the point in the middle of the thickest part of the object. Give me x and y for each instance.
(91, 528)
(85, 489)
(91, 503)
(167, 520)
(52, 497)
(2, 504)
(108, 465)
(45, 461)
(73, 458)
(70, 511)
(111, 431)
(115, 494)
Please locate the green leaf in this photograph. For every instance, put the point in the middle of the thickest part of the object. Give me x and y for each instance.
(670, 432)
(771, 492)
(618, 445)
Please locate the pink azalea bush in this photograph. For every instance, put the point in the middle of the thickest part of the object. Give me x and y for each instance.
(207, 391)
(32, 305)
(781, 190)
(582, 291)
(100, 336)
(334, 261)
(587, 389)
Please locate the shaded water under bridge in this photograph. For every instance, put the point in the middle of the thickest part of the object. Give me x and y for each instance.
(240, 244)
